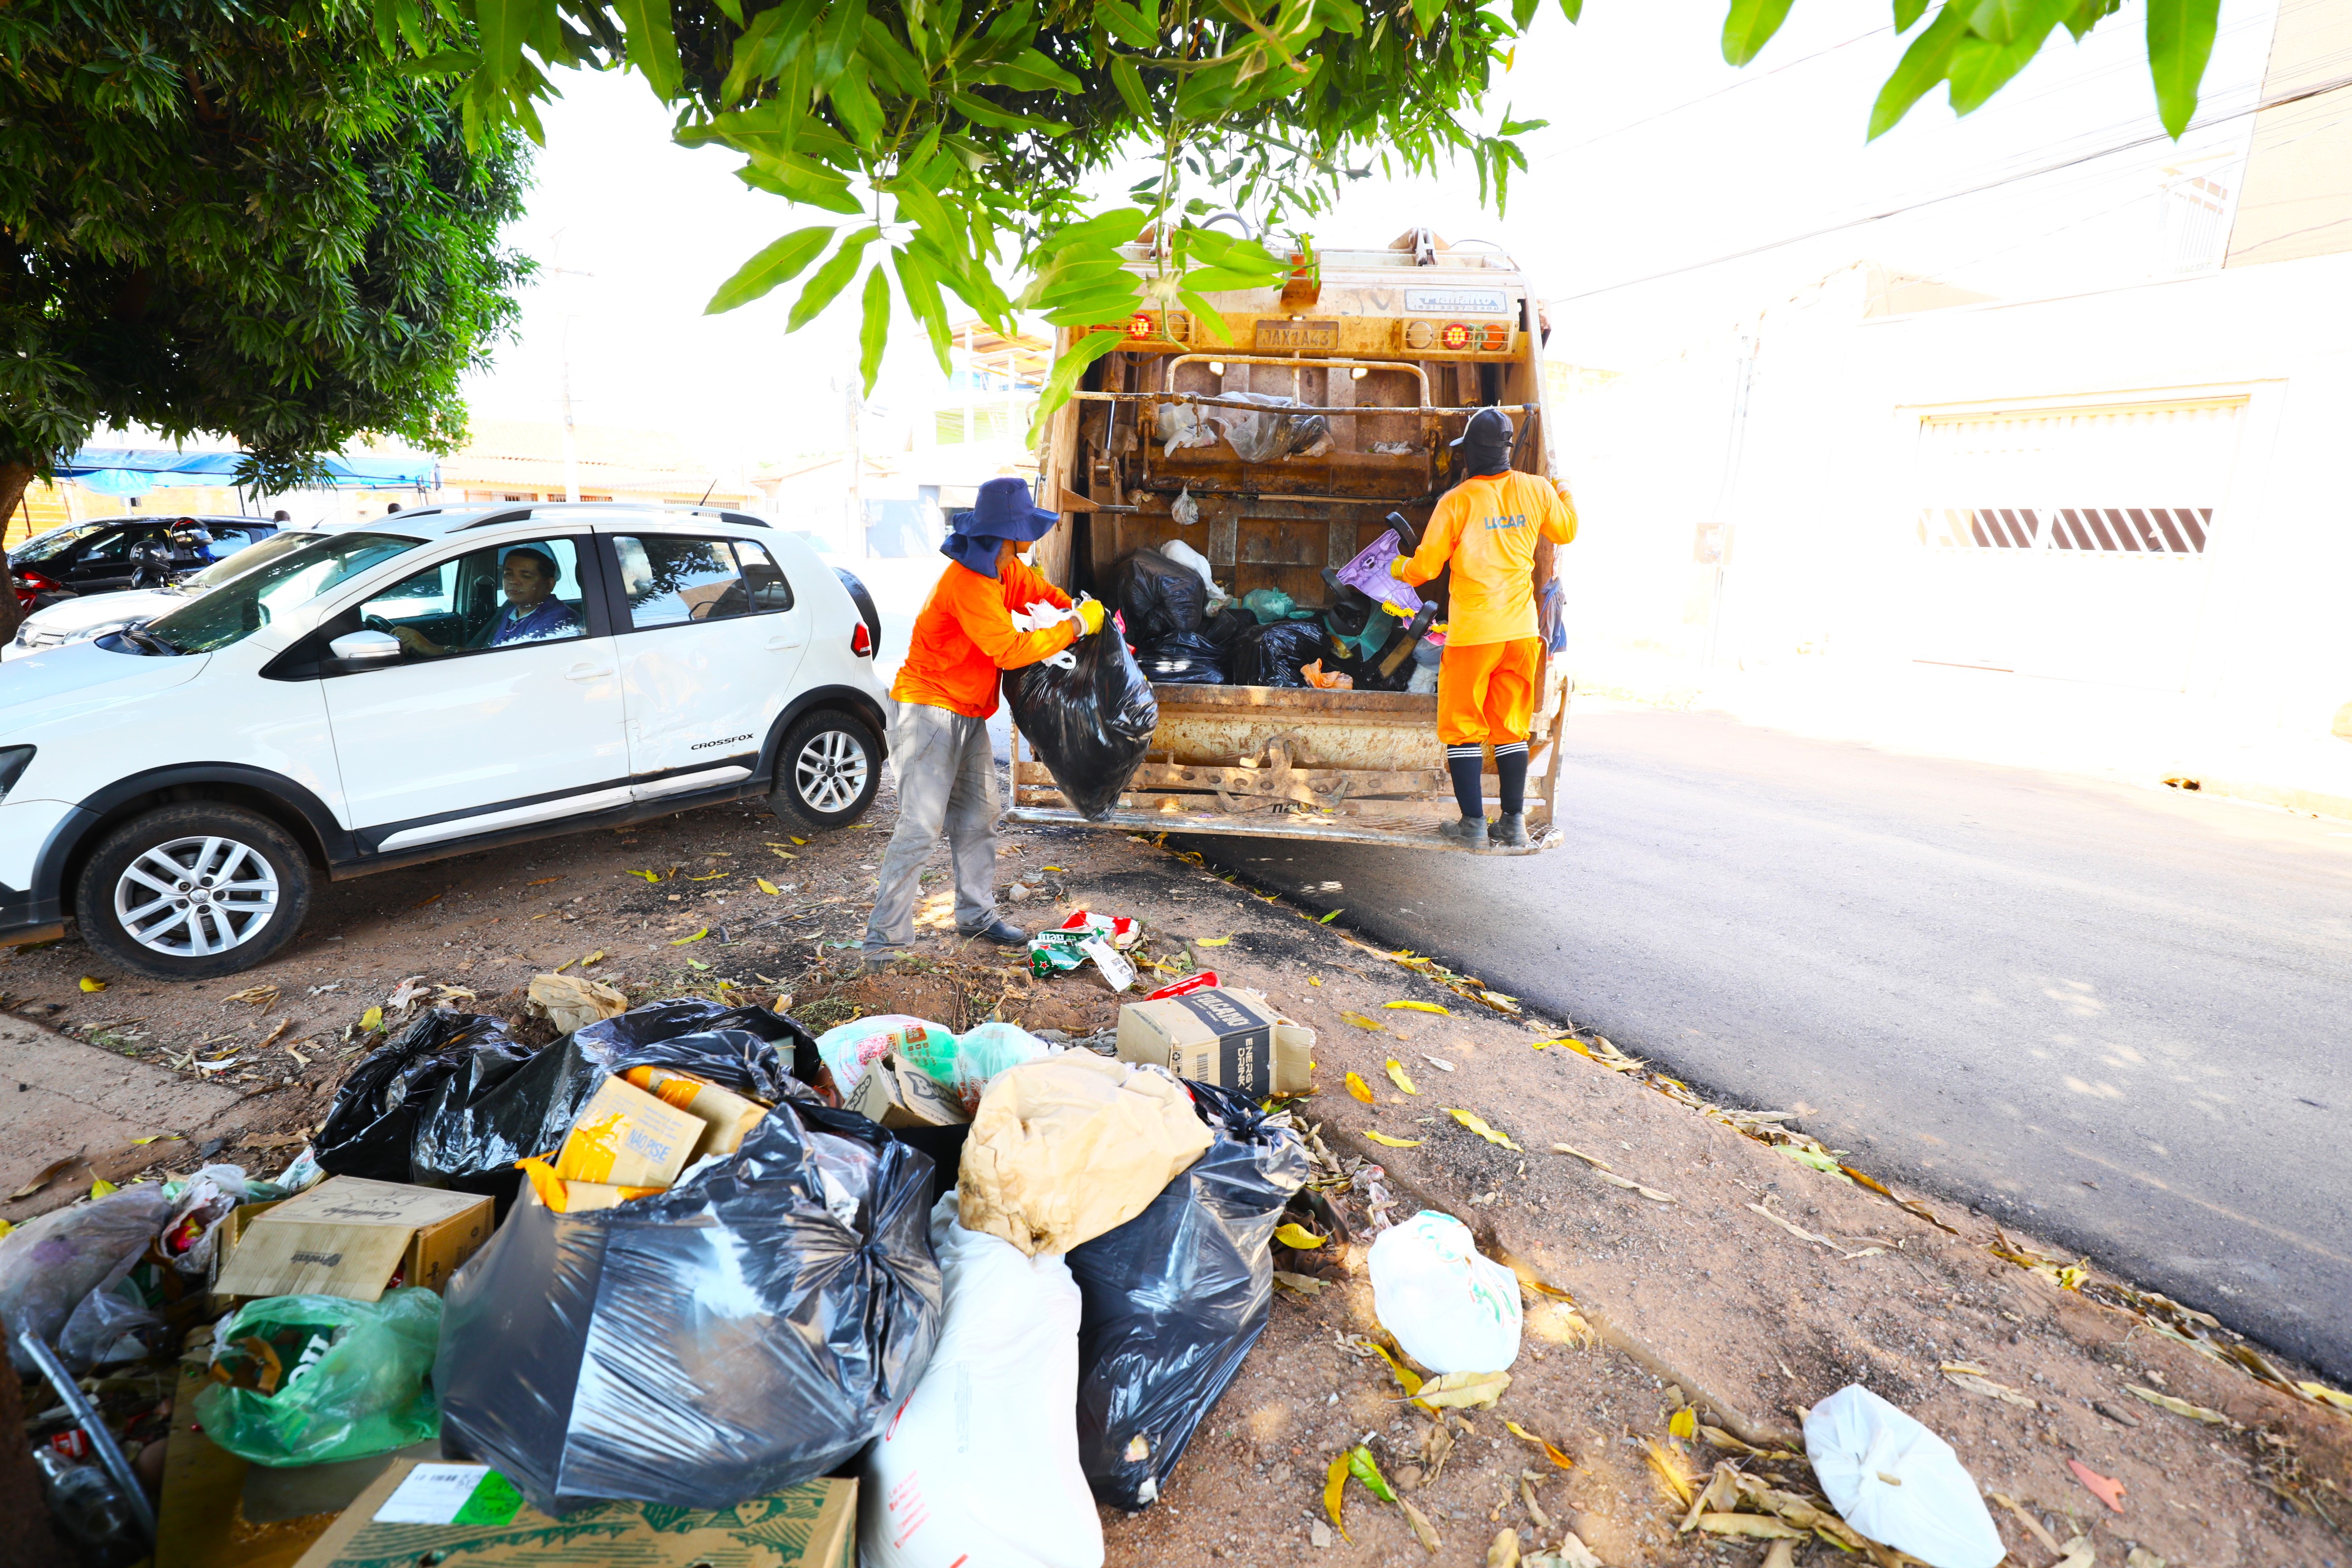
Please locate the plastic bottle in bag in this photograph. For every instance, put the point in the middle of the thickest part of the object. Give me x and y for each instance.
(980, 1464)
(1897, 1482)
(1450, 1306)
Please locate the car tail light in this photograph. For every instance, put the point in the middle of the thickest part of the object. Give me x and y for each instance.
(35, 582)
(861, 642)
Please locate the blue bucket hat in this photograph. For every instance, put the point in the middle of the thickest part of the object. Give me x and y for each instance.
(1001, 510)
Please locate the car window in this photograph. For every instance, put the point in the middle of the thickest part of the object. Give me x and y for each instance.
(241, 607)
(669, 582)
(261, 552)
(501, 595)
(767, 587)
(52, 546)
(119, 547)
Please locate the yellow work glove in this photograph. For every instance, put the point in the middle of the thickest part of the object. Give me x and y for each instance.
(1090, 617)
(1396, 568)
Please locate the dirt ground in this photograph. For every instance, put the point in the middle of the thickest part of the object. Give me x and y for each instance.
(1731, 1274)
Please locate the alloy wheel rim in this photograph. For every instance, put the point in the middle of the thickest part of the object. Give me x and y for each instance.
(831, 771)
(194, 897)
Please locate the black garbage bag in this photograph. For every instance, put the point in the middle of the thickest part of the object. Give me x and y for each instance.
(1273, 654)
(1157, 597)
(1090, 724)
(1188, 659)
(470, 1141)
(746, 1330)
(1174, 1300)
(374, 1116)
(1228, 626)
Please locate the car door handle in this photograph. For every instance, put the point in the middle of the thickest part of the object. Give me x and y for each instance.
(783, 641)
(585, 671)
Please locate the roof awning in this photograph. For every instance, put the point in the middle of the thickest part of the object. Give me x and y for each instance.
(136, 471)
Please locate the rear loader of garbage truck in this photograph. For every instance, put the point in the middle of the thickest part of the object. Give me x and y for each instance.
(1326, 413)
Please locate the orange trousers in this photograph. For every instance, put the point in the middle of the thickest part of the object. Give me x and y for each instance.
(1486, 692)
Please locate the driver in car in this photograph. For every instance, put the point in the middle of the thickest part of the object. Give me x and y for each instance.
(531, 613)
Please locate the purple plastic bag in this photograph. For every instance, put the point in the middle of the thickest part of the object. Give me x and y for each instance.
(1369, 573)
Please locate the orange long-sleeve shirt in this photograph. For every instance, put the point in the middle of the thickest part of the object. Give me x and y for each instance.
(965, 636)
(1487, 528)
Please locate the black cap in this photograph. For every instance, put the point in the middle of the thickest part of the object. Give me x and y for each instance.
(1487, 428)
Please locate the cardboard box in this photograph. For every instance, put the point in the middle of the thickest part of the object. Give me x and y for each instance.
(625, 1136)
(1229, 1037)
(813, 1525)
(351, 1237)
(728, 1116)
(899, 1095)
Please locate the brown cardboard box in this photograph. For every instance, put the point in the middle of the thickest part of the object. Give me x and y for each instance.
(726, 1117)
(813, 1525)
(899, 1094)
(350, 1236)
(625, 1136)
(1229, 1037)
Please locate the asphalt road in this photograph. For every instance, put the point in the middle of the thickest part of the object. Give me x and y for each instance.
(2115, 1015)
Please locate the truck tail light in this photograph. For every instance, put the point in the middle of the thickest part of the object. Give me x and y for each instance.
(861, 642)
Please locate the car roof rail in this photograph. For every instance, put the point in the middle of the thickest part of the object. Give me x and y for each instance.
(510, 514)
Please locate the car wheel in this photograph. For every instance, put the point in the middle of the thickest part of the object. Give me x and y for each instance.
(188, 892)
(827, 769)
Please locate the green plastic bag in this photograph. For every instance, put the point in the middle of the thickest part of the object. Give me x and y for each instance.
(309, 1380)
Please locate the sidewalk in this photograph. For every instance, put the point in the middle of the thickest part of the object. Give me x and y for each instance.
(2150, 738)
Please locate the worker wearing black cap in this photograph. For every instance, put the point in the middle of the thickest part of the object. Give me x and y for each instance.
(1486, 527)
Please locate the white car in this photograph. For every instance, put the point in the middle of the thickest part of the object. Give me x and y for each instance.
(88, 616)
(453, 680)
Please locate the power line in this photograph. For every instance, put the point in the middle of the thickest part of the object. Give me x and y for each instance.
(2278, 102)
(1709, 97)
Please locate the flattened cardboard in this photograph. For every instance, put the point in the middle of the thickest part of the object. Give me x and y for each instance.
(813, 1525)
(1229, 1037)
(625, 1136)
(349, 1236)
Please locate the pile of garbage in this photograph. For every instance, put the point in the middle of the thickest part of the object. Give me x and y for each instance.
(689, 1257)
(1375, 635)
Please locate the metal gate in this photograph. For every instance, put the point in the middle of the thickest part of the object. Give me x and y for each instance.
(2070, 543)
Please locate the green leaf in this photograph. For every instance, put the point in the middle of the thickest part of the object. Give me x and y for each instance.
(1031, 72)
(2179, 43)
(1206, 313)
(920, 285)
(1069, 365)
(1927, 62)
(875, 331)
(831, 279)
(1907, 11)
(1222, 279)
(2013, 21)
(837, 38)
(653, 46)
(776, 264)
(919, 203)
(978, 110)
(1980, 68)
(1749, 26)
(1125, 77)
(860, 111)
(1523, 12)
(1425, 13)
(734, 10)
(2089, 15)
(801, 179)
(1127, 23)
(1365, 1469)
(501, 25)
(1118, 225)
(1572, 9)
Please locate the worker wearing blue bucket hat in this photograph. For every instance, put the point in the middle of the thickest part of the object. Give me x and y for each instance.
(946, 692)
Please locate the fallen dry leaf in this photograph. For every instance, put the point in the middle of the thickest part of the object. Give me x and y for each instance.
(1463, 1391)
(1305, 1284)
(1438, 1062)
(1335, 1485)
(372, 1019)
(1593, 1160)
(1383, 1138)
(1800, 1232)
(1293, 1235)
(2179, 1406)
(1478, 1124)
(1211, 942)
(766, 887)
(1397, 1076)
(2106, 1489)
(257, 996)
(1554, 1455)
(1669, 1469)
(648, 876)
(91, 982)
(697, 936)
(1536, 1513)
(101, 1188)
(1974, 1380)
(1762, 1526)
(49, 1173)
(2327, 1395)
(1505, 1553)
(2080, 1553)
(1422, 1529)
(1358, 1088)
(1684, 1423)
(1421, 1007)
(1374, 1024)
(2033, 1525)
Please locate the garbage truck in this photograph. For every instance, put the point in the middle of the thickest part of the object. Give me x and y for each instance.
(1280, 451)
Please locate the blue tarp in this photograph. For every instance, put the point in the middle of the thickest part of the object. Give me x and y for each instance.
(136, 471)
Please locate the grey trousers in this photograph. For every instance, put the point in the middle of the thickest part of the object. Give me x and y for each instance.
(947, 784)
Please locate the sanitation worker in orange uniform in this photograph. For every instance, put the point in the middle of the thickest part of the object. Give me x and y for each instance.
(1487, 528)
(946, 692)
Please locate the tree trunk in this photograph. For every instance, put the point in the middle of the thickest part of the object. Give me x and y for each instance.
(13, 479)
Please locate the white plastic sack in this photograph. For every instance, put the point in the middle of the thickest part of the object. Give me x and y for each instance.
(50, 1264)
(980, 1464)
(1451, 1307)
(1897, 1482)
(1192, 560)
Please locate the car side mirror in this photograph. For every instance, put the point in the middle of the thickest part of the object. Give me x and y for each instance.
(356, 651)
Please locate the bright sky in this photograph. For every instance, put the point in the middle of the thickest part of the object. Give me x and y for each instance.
(1657, 156)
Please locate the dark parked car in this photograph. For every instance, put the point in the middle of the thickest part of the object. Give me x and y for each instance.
(126, 552)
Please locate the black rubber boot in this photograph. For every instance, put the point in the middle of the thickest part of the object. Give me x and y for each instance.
(1511, 830)
(1470, 830)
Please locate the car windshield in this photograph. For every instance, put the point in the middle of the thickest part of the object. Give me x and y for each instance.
(245, 560)
(50, 546)
(241, 607)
